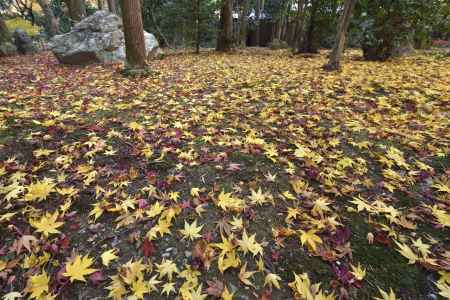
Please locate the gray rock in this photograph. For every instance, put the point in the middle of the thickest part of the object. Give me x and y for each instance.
(97, 39)
(23, 42)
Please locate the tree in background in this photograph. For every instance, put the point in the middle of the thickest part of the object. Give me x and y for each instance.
(77, 9)
(389, 27)
(307, 45)
(134, 34)
(225, 34)
(112, 6)
(334, 62)
(174, 23)
(243, 22)
(197, 26)
(51, 21)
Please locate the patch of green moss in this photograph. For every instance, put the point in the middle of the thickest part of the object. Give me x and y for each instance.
(386, 268)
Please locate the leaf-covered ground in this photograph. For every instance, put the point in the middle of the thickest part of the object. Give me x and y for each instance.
(254, 175)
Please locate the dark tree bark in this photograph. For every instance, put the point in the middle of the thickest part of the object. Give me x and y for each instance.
(299, 21)
(307, 44)
(52, 22)
(258, 16)
(259, 10)
(112, 7)
(197, 26)
(134, 34)
(100, 4)
(77, 9)
(243, 21)
(334, 62)
(225, 36)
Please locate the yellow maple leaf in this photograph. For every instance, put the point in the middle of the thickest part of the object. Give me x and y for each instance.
(359, 272)
(310, 238)
(38, 285)
(248, 243)
(320, 206)
(228, 260)
(109, 256)
(386, 296)
(117, 288)
(80, 267)
(303, 289)
(168, 288)
(442, 216)
(226, 295)
(167, 268)
(191, 231)
(288, 195)
(245, 276)
(140, 288)
(47, 224)
(407, 252)
(273, 280)
(226, 201)
(39, 190)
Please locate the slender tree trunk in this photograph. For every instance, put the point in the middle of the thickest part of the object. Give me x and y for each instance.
(225, 37)
(160, 33)
(197, 26)
(52, 22)
(134, 34)
(307, 45)
(335, 58)
(283, 20)
(258, 22)
(243, 23)
(77, 9)
(100, 4)
(300, 20)
(30, 14)
(112, 7)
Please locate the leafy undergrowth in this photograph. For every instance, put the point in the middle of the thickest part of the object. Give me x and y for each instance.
(254, 175)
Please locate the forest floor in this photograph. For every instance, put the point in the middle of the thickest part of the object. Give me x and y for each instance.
(253, 175)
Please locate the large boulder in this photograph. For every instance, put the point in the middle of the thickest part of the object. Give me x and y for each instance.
(97, 39)
(23, 42)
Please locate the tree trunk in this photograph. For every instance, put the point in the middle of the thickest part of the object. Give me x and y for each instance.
(225, 36)
(243, 23)
(259, 9)
(77, 9)
(307, 44)
(112, 6)
(197, 27)
(134, 34)
(52, 22)
(100, 4)
(299, 22)
(335, 58)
